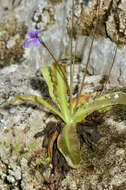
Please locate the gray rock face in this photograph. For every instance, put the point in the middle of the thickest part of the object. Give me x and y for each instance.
(102, 58)
(54, 21)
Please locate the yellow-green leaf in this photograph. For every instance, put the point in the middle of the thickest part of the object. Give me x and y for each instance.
(69, 145)
(46, 72)
(34, 100)
(103, 102)
(61, 89)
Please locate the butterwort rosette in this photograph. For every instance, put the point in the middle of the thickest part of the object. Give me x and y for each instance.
(33, 39)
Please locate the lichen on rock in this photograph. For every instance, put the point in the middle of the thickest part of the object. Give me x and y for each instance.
(116, 25)
(85, 17)
(43, 16)
(111, 21)
(12, 34)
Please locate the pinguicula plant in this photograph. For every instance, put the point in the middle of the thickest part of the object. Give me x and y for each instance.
(70, 111)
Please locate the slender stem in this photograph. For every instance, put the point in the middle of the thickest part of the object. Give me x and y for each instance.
(56, 62)
(71, 63)
(48, 50)
(114, 57)
(113, 61)
(89, 54)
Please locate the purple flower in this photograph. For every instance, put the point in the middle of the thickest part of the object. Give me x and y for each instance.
(86, 1)
(33, 39)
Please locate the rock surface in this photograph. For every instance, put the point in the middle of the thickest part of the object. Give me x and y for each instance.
(20, 152)
(12, 35)
(54, 20)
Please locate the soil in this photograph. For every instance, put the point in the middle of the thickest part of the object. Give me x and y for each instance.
(60, 167)
(23, 150)
(87, 133)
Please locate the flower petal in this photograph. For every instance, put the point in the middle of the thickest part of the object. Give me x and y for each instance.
(27, 43)
(36, 42)
(31, 33)
(37, 32)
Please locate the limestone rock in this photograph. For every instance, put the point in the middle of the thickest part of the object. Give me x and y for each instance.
(12, 35)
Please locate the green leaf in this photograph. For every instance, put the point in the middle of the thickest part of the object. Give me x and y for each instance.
(34, 100)
(32, 146)
(69, 145)
(100, 103)
(17, 146)
(24, 155)
(46, 72)
(82, 100)
(61, 89)
(84, 6)
(51, 108)
(46, 161)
